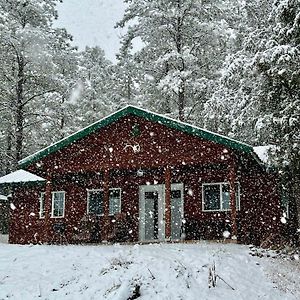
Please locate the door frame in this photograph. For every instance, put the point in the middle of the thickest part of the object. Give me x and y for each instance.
(160, 188)
(178, 186)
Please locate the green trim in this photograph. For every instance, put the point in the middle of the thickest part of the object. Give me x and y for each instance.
(132, 110)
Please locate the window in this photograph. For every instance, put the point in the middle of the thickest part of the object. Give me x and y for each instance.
(42, 205)
(285, 203)
(58, 204)
(216, 196)
(114, 201)
(95, 201)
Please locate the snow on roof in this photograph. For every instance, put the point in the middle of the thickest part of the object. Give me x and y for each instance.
(20, 176)
(3, 198)
(263, 152)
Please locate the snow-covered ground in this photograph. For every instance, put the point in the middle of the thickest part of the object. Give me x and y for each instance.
(158, 271)
(3, 238)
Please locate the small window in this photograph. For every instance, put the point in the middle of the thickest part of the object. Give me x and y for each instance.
(95, 201)
(42, 205)
(114, 201)
(216, 196)
(58, 204)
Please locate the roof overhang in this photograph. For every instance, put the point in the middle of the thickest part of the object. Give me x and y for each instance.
(21, 177)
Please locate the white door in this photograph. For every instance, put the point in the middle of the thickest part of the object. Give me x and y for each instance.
(176, 210)
(152, 212)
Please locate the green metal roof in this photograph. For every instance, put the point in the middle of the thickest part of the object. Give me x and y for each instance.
(150, 116)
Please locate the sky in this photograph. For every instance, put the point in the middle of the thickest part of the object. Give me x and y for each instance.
(91, 22)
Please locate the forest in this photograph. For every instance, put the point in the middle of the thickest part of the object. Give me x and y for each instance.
(229, 66)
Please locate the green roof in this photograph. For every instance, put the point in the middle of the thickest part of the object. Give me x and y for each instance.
(150, 116)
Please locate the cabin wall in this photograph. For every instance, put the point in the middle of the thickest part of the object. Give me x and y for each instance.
(257, 219)
(111, 148)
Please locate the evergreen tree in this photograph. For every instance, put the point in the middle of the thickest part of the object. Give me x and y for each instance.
(178, 38)
(95, 99)
(29, 49)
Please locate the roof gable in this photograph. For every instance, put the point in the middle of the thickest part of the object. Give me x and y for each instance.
(150, 116)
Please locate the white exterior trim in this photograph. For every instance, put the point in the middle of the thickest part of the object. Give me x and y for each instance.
(40, 208)
(52, 205)
(160, 188)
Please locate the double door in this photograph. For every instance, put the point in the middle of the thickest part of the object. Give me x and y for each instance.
(152, 212)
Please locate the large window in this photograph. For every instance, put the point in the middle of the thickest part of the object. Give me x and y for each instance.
(95, 201)
(42, 205)
(216, 196)
(58, 204)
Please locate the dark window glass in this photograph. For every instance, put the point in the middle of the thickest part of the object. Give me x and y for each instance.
(225, 197)
(176, 194)
(96, 202)
(114, 201)
(211, 197)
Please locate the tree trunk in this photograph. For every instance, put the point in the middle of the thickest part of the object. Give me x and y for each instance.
(128, 90)
(8, 158)
(181, 88)
(19, 114)
(181, 104)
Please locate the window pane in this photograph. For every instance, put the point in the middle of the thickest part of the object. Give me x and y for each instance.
(58, 204)
(225, 197)
(211, 194)
(95, 202)
(176, 194)
(114, 201)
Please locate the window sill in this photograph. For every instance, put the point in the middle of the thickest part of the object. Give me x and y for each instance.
(102, 215)
(218, 210)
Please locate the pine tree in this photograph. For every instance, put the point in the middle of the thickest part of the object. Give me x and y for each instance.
(29, 46)
(177, 38)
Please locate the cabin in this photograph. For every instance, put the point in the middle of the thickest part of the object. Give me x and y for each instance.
(138, 176)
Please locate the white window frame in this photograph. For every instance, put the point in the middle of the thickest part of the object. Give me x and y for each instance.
(286, 210)
(101, 190)
(120, 210)
(238, 206)
(52, 205)
(42, 197)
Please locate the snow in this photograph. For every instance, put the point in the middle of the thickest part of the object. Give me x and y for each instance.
(283, 220)
(20, 176)
(263, 152)
(3, 198)
(159, 271)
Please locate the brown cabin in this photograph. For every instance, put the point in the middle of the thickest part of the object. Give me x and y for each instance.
(140, 176)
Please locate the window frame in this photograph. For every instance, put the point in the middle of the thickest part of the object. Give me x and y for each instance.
(101, 190)
(42, 197)
(52, 204)
(238, 196)
(120, 210)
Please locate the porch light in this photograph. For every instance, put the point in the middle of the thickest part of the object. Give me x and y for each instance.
(140, 173)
